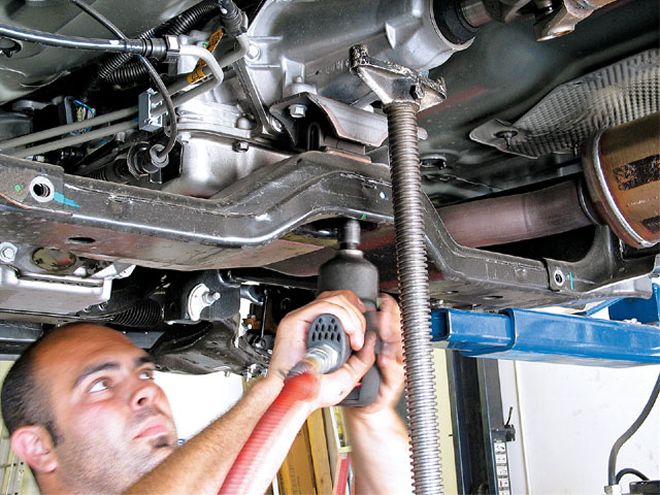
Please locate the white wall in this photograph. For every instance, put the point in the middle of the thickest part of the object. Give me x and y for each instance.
(567, 418)
(197, 400)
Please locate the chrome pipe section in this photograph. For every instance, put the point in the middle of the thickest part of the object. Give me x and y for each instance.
(622, 168)
(489, 222)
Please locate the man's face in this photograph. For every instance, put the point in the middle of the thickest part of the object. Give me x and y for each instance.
(113, 423)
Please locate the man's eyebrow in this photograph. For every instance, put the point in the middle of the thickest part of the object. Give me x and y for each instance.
(110, 365)
(142, 360)
(95, 368)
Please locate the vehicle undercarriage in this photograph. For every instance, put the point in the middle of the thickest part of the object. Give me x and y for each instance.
(540, 167)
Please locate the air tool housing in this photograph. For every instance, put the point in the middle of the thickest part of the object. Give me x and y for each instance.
(328, 346)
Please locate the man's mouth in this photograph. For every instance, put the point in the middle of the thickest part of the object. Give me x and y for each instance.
(152, 431)
(153, 428)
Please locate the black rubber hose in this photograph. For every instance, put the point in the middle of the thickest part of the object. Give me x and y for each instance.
(611, 465)
(188, 19)
(632, 471)
(147, 47)
(153, 74)
(115, 70)
(118, 60)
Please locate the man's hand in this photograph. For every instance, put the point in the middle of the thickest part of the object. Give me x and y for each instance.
(390, 359)
(388, 471)
(291, 343)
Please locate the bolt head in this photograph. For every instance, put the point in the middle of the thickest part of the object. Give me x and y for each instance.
(254, 52)
(8, 252)
(297, 111)
(241, 146)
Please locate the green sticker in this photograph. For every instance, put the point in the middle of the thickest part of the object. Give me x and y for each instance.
(18, 187)
(363, 216)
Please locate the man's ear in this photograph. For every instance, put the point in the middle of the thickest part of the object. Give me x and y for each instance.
(34, 445)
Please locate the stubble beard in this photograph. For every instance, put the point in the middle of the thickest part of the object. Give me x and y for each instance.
(92, 467)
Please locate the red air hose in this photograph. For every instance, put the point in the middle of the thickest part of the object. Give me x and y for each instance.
(263, 454)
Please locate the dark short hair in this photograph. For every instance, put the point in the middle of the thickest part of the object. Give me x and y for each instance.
(23, 400)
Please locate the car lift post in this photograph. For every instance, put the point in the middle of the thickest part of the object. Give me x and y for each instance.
(538, 336)
(480, 430)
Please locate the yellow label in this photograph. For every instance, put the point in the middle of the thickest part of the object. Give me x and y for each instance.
(198, 72)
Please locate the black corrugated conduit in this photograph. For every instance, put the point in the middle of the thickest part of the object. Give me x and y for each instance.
(115, 70)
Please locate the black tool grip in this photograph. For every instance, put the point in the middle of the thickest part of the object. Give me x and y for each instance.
(366, 391)
(326, 329)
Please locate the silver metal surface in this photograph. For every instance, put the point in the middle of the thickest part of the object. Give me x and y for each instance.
(347, 121)
(475, 12)
(297, 111)
(210, 163)
(612, 490)
(395, 83)
(218, 111)
(573, 112)
(48, 294)
(302, 41)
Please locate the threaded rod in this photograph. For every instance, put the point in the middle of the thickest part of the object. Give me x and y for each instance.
(414, 297)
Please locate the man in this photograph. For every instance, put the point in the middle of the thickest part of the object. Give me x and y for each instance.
(84, 413)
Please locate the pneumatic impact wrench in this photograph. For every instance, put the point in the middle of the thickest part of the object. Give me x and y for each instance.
(328, 346)
(328, 349)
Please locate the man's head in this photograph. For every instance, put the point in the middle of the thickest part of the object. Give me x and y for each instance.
(83, 411)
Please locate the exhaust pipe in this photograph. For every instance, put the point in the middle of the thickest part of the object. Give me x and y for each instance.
(493, 221)
(622, 170)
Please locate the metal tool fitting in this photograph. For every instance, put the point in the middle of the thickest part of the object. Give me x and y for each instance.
(173, 47)
(394, 83)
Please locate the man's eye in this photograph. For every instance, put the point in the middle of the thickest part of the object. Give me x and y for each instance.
(146, 375)
(100, 386)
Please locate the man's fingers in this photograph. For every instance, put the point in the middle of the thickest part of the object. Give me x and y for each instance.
(349, 310)
(340, 304)
(347, 295)
(346, 377)
(391, 371)
(389, 319)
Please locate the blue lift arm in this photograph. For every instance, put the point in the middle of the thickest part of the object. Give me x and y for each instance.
(537, 336)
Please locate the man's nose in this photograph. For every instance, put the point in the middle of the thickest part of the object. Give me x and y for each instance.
(144, 394)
